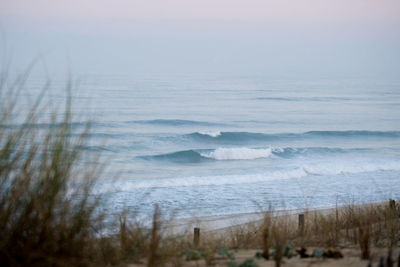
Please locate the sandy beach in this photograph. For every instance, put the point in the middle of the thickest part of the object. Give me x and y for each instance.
(217, 228)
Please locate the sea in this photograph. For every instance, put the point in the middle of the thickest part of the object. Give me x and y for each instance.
(213, 144)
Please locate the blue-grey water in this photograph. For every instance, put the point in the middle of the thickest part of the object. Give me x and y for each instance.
(208, 144)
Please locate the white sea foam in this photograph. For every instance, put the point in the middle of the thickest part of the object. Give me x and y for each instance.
(326, 169)
(336, 168)
(237, 153)
(216, 180)
(211, 133)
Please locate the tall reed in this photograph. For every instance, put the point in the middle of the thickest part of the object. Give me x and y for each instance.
(48, 215)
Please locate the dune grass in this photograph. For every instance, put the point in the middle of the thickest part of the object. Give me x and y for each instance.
(47, 211)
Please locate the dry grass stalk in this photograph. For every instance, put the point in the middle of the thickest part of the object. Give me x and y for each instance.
(392, 224)
(360, 221)
(266, 229)
(279, 237)
(133, 239)
(153, 257)
(243, 236)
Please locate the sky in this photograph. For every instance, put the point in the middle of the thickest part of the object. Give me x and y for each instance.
(249, 10)
(252, 36)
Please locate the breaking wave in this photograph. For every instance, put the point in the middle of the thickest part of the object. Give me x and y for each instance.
(195, 156)
(241, 153)
(244, 153)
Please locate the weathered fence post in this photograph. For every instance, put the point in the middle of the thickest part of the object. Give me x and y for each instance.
(392, 204)
(196, 236)
(301, 223)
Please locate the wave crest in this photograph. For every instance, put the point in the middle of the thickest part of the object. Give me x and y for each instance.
(241, 153)
(210, 133)
(245, 153)
(197, 156)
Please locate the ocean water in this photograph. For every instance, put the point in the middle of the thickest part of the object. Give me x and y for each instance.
(217, 144)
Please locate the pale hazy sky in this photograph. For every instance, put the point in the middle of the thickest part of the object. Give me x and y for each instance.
(206, 34)
(249, 10)
(66, 14)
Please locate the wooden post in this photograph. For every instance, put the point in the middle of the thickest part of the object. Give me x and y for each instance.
(392, 204)
(196, 236)
(301, 223)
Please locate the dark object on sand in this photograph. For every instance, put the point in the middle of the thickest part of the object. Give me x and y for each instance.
(262, 255)
(381, 262)
(303, 253)
(332, 253)
(389, 260)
